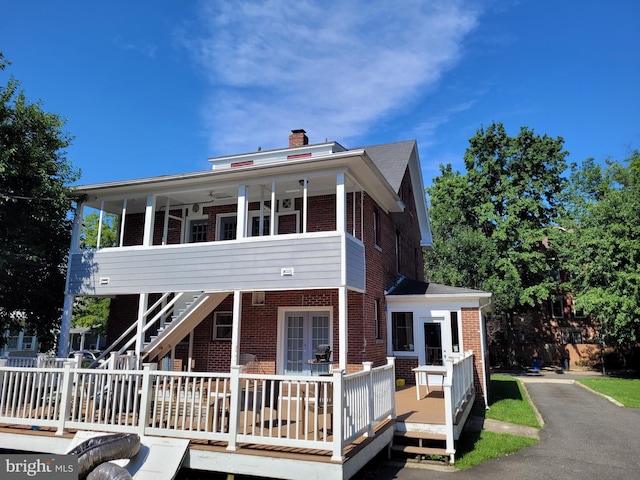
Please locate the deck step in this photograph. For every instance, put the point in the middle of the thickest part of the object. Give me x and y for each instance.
(419, 450)
(421, 435)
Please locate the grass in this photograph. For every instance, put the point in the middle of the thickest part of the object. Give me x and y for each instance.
(477, 447)
(507, 403)
(626, 391)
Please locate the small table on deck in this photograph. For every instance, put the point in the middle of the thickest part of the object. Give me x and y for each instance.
(428, 370)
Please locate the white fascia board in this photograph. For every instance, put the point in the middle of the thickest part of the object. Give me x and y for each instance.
(359, 165)
(420, 200)
(450, 296)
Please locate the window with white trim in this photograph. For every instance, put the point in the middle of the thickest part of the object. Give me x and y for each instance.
(402, 331)
(222, 325)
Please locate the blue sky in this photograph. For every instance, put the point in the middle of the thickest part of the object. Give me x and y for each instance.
(153, 88)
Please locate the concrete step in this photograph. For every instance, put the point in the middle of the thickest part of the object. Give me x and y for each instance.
(415, 450)
(421, 435)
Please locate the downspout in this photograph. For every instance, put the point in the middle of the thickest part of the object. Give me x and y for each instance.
(483, 346)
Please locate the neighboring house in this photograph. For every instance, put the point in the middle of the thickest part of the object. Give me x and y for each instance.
(556, 332)
(17, 342)
(273, 253)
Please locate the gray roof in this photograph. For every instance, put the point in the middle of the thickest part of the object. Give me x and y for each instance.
(415, 287)
(392, 160)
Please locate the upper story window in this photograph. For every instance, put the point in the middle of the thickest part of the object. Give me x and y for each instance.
(198, 231)
(398, 250)
(376, 227)
(227, 227)
(571, 335)
(557, 307)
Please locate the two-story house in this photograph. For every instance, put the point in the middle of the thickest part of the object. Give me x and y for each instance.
(273, 253)
(263, 308)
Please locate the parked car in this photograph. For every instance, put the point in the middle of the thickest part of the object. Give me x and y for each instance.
(88, 356)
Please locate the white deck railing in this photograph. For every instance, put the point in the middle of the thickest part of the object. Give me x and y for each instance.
(233, 407)
(457, 386)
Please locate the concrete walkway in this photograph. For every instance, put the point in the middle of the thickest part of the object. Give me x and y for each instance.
(586, 436)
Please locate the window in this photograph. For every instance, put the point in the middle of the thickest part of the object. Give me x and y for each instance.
(222, 324)
(571, 335)
(376, 227)
(227, 225)
(455, 336)
(557, 307)
(198, 231)
(376, 314)
(398, 246)
(402, 331)
(255, 225)
(257, 298)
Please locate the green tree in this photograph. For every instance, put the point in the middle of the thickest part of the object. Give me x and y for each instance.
(603, 211)
(93, 312)
(34, 205)
(494, 227)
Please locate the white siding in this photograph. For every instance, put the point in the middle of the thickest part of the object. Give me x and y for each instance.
(251, 264)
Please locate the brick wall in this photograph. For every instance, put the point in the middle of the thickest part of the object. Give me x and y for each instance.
(472, 341)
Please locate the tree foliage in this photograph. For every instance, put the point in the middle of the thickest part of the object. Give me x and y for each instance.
(603, 211)
(93, 312)
(34, 206)
(492, 225)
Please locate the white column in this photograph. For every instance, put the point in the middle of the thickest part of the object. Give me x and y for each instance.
(165, 230)
(100, 217)
(67, 309)
(235, 327)
(342, 326)
(241, 223)
(341, 203)
(272, 222)
(305, 205)
(149, 214)
(142, 308)
(123, 217)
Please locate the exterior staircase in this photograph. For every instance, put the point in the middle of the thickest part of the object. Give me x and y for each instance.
(182, 323)
(419, 446)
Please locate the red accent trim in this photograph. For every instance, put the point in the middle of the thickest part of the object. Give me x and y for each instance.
(242, 164)
(299, 155)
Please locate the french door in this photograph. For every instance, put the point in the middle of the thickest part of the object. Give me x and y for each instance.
(303, 332)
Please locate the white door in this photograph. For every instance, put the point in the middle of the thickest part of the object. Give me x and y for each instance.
(303, 332)
(435, 341)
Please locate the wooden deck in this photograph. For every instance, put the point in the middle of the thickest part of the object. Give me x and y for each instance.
(428, 410)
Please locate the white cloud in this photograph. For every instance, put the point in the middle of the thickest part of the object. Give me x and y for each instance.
(333, 68)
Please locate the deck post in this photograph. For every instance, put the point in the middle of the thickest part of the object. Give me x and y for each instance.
(370, 394)
(449, 410)
(234, 407)
(338, 407)
(65, 398)
(146, 396)
(392, 361)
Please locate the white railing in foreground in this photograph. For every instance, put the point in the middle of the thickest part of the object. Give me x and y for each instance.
(232, 407)
(457, 385)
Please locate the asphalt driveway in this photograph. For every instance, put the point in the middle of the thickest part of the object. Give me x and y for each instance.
(586, 437)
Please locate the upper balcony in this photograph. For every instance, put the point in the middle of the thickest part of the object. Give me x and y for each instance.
(282, 219)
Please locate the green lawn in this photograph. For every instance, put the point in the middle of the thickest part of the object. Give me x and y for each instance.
(508, 403)
(477, 447)
(626, 391)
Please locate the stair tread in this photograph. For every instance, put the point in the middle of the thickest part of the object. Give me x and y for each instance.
(419, 450)
(422, 435)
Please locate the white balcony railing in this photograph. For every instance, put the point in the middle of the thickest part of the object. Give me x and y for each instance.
(232, 407)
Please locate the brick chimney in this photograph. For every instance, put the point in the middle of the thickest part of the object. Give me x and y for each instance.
(298, 138)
